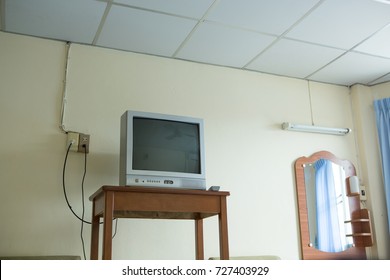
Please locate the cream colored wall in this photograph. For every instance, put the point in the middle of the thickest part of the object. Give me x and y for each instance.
(370, 167)
(246, 151)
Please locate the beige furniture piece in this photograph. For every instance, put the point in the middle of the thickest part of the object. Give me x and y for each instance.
(58, 257)
(263, 257)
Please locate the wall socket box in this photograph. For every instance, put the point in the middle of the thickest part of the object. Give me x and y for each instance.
(73, 138)
(363, 194)
(83, 143)
(79, 141)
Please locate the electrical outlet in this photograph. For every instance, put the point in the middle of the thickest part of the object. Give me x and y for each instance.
(73, 138)
(83, 145)
(363, 194)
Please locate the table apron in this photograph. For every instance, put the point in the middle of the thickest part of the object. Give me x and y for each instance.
(145, 202)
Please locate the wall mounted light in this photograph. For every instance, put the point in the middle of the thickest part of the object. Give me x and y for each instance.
(315, 129)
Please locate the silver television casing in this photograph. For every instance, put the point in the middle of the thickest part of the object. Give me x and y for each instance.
(155, 178)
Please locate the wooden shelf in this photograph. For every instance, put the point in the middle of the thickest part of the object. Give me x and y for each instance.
(361, 228)
(358, 221)
(360, 234)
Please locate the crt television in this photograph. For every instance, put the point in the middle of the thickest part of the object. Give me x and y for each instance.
(158, 150)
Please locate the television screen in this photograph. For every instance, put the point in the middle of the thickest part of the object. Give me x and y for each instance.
(166, 145)
(158, 150)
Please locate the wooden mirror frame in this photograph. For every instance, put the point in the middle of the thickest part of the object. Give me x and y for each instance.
(308, 252)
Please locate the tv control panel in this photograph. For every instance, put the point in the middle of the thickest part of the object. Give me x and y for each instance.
(165, 182)
(151, 181)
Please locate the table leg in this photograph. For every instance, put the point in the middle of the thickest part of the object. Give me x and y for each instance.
(223, 231)
(199, 247)
(94, 234)
(107, 225)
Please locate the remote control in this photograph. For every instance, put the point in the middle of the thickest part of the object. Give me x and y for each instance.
(214, 188)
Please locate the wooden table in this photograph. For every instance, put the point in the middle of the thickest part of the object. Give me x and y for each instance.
(111, 202)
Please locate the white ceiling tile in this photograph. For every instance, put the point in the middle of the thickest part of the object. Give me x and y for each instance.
(218, 44)
(379, 44)
(383, 79)
(342, 23)
(353, 68)
(294, 59)
(189, 8)
(273, 17)
(71, 20)
(142, 31)
(312, 33)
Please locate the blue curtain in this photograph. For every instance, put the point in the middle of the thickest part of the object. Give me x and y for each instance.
(328, 226)
(382, 112)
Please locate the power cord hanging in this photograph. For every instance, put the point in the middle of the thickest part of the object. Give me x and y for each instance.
(82, 200)
(82, 196)
(64, 188)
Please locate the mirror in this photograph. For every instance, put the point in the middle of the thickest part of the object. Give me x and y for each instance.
(325, 208)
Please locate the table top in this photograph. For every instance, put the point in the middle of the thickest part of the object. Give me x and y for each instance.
(160, 203)
(157, 190)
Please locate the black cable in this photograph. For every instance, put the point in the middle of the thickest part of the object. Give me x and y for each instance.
(82, 200)
(116, 226)
(64, 189)
(82, 186)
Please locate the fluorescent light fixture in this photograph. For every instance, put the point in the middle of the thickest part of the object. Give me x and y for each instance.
(315, 129)
(383, 1)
